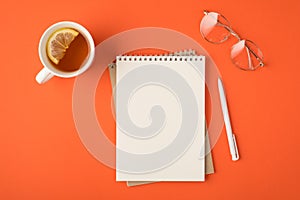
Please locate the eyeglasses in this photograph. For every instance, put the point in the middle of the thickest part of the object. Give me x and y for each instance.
(216, 29)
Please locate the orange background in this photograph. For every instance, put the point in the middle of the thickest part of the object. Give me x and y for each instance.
(42, 156)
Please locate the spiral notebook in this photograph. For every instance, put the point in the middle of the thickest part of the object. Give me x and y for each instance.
(138, 159)
(209, 167)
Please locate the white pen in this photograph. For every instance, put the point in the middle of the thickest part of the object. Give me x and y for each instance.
(230, 136)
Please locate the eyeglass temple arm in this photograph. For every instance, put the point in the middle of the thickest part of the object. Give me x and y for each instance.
(232, 32)
(255, 55)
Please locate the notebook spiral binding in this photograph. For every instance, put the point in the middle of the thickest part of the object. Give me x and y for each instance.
(173, 56)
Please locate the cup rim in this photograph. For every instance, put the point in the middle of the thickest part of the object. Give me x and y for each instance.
(42, 48)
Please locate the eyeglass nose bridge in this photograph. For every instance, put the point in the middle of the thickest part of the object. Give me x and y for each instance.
(231, 31)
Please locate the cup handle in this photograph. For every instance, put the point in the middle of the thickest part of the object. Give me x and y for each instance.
(43, 76)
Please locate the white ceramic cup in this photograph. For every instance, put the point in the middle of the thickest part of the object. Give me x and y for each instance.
(49, 71)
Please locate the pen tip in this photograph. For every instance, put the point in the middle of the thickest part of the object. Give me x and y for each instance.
(235, 157)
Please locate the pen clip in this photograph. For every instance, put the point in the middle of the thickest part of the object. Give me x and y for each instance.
(235, 156)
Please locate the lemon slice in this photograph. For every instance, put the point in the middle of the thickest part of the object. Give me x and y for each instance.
(59, 42)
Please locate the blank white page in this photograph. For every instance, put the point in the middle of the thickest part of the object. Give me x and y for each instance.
(160, 118)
